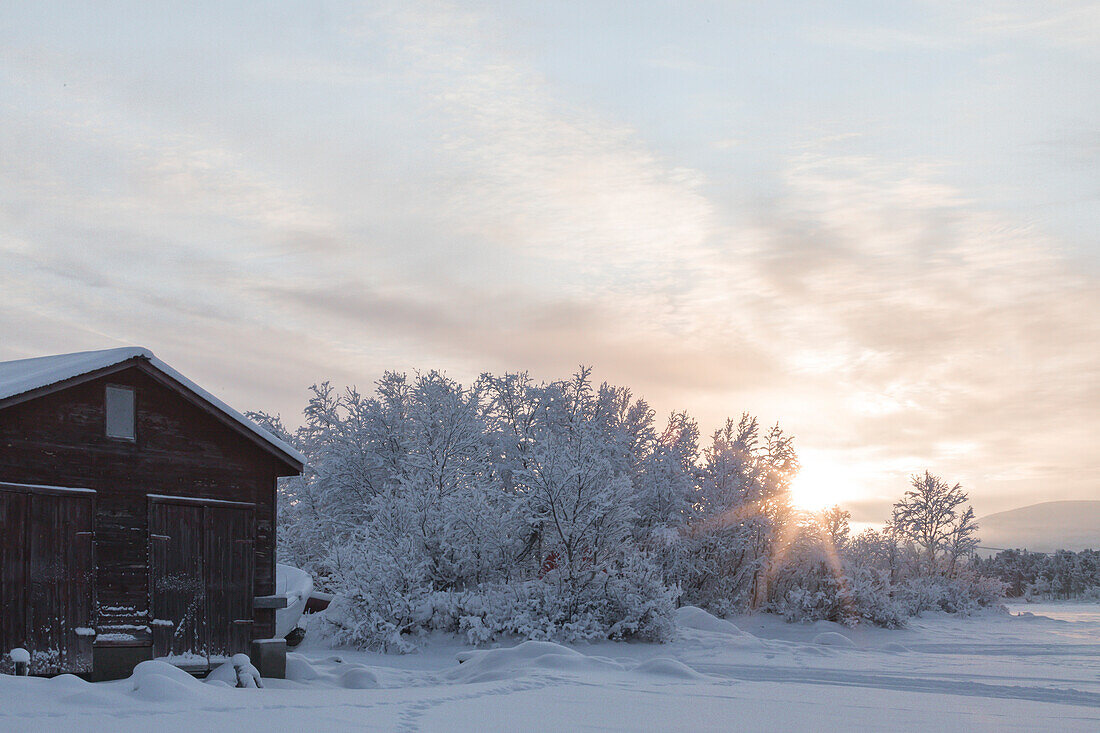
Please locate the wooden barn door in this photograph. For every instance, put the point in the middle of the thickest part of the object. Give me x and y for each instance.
(229, 557)
(201, 580)
(47, 559)
(177, 588)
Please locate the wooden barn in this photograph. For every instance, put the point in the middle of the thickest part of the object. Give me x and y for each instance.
(137, 516)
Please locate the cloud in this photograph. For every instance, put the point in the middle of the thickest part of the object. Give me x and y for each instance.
(1070, 26)
(508, 330)
(946, 324)
(544, 179)
(414, 192)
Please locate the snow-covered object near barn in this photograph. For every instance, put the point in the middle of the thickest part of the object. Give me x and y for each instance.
(157, 681)
(296, 585)
(247, 675)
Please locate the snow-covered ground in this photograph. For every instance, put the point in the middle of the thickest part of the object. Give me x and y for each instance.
(994, 672)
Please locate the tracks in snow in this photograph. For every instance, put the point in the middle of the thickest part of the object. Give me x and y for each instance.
(885, 681)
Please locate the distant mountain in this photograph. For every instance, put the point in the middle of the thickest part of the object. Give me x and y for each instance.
(1052, 525)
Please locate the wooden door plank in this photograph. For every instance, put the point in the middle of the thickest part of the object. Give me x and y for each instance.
(47, 588)
(13, 575)
(230, 535)
(80, 562)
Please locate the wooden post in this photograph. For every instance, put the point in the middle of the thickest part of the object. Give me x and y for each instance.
(269, 657)
(22, 659)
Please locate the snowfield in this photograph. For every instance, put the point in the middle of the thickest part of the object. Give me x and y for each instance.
(1037, 669)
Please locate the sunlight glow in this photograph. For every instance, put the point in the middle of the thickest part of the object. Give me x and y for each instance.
(819, 485)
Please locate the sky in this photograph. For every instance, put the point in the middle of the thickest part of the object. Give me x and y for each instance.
(877, 224)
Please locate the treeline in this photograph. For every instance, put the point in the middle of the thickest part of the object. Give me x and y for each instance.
(563, 510)
(1061, 575)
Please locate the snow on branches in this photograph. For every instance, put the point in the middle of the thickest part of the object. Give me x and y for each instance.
(555, 510)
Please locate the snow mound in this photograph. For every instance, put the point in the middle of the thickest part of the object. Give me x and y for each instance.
(693, 617)
(65, 682)
(485, 665)
(88, 699)
(895, 648)
(300, 670)
(156, 668)
(525, 651)
(79, 693)
(668, 667)
(332, 672)
(19, 654)
(222, 674)
(359, 678)
(156, 688)
(157, 681)
(832, 638)
(699, 626)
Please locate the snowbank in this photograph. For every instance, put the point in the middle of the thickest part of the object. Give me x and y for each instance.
(667, 667)
(331, 671)
(832, 638)
(707, 629)
(482, 665)
(156, 681)
(952, 669)
(693, 617)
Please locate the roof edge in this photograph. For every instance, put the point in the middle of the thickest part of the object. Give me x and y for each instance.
(113, 360)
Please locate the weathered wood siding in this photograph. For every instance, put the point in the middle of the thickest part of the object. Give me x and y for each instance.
(47, 562)
(180, 450)
(201, 576)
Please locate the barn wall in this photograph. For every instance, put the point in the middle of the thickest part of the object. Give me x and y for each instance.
(59, 439)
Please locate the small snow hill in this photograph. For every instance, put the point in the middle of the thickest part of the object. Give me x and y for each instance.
(1046, 527)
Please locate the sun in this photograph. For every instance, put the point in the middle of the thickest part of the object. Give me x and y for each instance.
(819, 485)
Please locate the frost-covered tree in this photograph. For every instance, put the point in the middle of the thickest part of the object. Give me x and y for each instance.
(1061, 575)
(560, 510)
(739, 514)
(834, 526)
(932, 515)
(508, 507)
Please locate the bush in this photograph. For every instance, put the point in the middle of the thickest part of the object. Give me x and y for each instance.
(626, 605)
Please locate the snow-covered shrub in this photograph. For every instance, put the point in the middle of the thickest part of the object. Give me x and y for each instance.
(872, 599)
(858, 595)
(964, 593)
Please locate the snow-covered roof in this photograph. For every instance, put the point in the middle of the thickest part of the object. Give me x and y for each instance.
(25, 375)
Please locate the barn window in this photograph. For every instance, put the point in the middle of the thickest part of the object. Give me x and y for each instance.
(120, 412)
